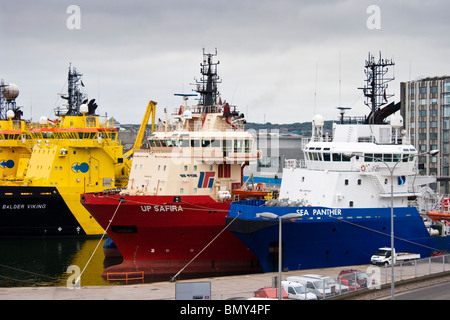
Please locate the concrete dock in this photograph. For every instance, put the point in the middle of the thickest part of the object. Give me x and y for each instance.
(228, 287)
(222, 288)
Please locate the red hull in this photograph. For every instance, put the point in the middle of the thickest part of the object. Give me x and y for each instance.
(161, 234)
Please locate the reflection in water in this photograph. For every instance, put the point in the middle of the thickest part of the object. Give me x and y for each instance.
(44, 262)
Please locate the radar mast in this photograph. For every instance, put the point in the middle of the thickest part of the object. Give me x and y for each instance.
(207, 85)
(377, 83)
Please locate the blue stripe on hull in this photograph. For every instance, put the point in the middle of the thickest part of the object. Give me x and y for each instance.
(350, 237)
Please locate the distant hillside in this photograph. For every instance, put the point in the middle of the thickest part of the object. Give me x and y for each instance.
(303, 128)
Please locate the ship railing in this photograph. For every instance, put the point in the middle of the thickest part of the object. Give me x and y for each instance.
(442, 204)
(20, 125)
(321, 138)
(133, 276)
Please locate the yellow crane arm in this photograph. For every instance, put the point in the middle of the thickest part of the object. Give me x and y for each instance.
(151, 108)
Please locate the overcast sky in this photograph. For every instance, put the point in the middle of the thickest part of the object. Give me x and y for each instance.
(282, 61)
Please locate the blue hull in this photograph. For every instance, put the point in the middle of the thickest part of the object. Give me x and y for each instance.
(326, 237)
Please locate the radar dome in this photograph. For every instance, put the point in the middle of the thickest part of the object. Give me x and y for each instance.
(10, 91)
(396, 121)
(10, 114)
(318, 121)
(84, 108)
(43, 120)
(187, 114)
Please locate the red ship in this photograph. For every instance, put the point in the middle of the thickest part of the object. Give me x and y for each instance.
(171, 218)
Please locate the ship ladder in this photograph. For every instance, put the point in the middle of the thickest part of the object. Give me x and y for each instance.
(377, 182)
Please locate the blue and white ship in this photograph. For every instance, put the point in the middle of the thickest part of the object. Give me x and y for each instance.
(341, 194)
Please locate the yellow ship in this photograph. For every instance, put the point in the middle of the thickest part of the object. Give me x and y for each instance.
(79, 152)
(15, 139)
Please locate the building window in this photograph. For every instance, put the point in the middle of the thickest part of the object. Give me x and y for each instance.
(422, 90)
(346, 182)
(447, 86)
(446, 111)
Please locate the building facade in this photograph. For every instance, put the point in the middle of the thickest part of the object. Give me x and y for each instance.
(425, 107)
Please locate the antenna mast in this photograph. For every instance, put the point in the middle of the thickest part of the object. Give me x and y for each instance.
(377, 82)
(75, 96)
(207, 85)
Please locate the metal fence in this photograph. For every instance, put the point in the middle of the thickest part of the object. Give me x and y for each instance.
(377, 277)
(380, 275)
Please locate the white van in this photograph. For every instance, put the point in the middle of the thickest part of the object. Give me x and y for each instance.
(318, 287)
(338, 288)
(297, 291)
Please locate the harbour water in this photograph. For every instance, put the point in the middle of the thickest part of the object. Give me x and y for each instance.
(46, 262)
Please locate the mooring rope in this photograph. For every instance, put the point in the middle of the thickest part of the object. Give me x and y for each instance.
(77, 281)
(182, 269)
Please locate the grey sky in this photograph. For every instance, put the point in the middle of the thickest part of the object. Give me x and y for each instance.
(270, 52)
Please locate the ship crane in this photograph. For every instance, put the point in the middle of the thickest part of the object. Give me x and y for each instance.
(128, 156)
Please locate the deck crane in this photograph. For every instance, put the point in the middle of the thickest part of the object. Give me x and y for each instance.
(128, 156)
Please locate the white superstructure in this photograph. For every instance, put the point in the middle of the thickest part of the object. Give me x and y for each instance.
(349, 167)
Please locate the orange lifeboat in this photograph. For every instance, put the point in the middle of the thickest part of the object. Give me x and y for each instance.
(434, 215)
(259, 191)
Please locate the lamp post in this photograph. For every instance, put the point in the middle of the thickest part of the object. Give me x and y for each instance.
(273, 216)
(391, 172)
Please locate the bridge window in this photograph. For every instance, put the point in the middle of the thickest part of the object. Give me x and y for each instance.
(206, 143)
(184, 143)
(238, 144)
(248, 146)
(215, 143)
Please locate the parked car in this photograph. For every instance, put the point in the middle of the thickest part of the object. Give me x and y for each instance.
(350, 277)
(270, 293)
(297, 291)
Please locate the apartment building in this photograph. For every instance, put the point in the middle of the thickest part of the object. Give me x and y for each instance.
(425, 107)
